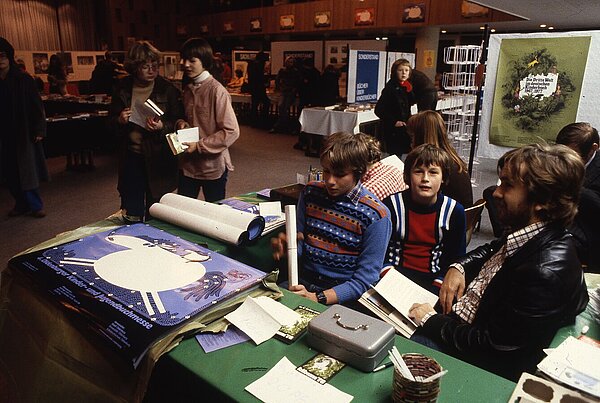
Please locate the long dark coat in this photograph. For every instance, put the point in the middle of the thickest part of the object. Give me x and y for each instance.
(161, 164)
(21, 155)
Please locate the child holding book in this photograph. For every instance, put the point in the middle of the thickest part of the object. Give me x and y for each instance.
(428, 228)
(343, 229)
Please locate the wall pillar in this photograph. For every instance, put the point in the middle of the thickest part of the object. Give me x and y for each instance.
(426, 49)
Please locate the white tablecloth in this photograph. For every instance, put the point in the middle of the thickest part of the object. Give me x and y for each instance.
(325, 122)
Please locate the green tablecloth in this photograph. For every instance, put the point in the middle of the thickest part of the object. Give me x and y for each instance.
(187, 373)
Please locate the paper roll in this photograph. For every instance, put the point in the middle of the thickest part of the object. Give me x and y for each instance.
(292, 243)
(213, 220)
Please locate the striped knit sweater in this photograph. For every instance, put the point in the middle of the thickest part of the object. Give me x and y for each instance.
(345, 238)
(425, 239)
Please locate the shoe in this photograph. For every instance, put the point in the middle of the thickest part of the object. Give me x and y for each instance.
(272, 131)
(38, 214)
(15, 212)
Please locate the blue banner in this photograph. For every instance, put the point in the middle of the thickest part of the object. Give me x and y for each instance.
(367, 75)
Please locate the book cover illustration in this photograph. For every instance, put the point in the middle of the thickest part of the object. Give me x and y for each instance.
(136, 283)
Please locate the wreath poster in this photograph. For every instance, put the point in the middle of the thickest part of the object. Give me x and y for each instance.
(538, 84)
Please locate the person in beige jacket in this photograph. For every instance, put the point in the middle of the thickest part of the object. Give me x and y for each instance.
(205, 164)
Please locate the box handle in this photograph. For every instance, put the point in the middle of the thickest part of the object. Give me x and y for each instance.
(338, 321)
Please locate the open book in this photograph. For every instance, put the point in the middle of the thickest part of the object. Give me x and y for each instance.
(392, 298)
(176, 140)
(141, 111)
(219, 222)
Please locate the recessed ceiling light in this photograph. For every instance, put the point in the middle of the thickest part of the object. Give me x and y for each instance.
(481, 27)
(543, 25)
(378, 39)
(493, 30)
(384, 38)
(550, 27)
(443, 31)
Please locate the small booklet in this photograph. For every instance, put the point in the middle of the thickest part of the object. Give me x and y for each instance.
(141, 111)
(176, 140)
(392, 298)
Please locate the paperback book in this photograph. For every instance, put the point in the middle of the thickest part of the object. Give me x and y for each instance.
(135, 284)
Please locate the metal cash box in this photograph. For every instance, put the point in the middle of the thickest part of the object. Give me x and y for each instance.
(350, 336)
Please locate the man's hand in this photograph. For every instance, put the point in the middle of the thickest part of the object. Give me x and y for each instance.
(453, 286)
(124, 116)
(400, 124)
(418, 311)
(38, 139)
(301, 291)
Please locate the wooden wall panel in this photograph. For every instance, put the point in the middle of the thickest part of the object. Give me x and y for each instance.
(390, 12)
(277, 12)
(449, 12)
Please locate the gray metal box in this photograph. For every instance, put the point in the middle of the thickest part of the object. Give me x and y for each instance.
(350, 336)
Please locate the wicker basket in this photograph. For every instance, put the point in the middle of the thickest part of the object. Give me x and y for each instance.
(407, 391)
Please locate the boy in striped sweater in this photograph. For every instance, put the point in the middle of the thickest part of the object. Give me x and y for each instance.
(343, 229)
(428, 228)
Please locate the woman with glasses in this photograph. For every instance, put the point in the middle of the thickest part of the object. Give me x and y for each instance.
(147, 167)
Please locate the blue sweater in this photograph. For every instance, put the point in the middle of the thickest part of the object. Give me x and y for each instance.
(345, 238)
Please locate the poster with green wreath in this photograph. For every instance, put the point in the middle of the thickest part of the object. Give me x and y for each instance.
(538, 84)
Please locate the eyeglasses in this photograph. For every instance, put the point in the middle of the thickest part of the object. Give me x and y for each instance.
(148, 67)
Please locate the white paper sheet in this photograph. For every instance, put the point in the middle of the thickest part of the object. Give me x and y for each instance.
(253, 320)
(394, 161)
(281, 313)
(402, 293)
(213, 220)
(284, 384)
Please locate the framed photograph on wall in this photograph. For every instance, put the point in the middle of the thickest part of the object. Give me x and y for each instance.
(228, 27)
(255, 24)
(322, 19)
(286, 21)
(413, 12)
(364, 16)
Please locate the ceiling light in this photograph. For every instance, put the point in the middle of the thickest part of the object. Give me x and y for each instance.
(384, 38)
(543, 25)
(443, 31)
(550, 27)
(493, 30)
(378, 39)
(481, 27)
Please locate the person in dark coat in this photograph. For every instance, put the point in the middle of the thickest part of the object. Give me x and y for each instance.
(583, 138)
(330, 86)
(105, 75)
(257, 89)
(22, 160)
(393, 108)
(425, 91)
(147, 168)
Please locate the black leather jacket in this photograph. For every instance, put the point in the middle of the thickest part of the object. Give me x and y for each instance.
(538, 290)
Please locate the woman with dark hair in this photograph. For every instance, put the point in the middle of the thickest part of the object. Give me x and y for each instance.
(393, 108)
(428, 127)
(22, 161)
(57, 76)
(205, 164)
(147, 168)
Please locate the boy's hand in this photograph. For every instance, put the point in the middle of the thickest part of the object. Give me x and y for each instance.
(192, 147)
(279, 245)
(303, 292)
(400, 123)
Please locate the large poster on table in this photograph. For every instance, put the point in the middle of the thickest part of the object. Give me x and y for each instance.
(537, 88)
(135, 284)
(366, 75)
